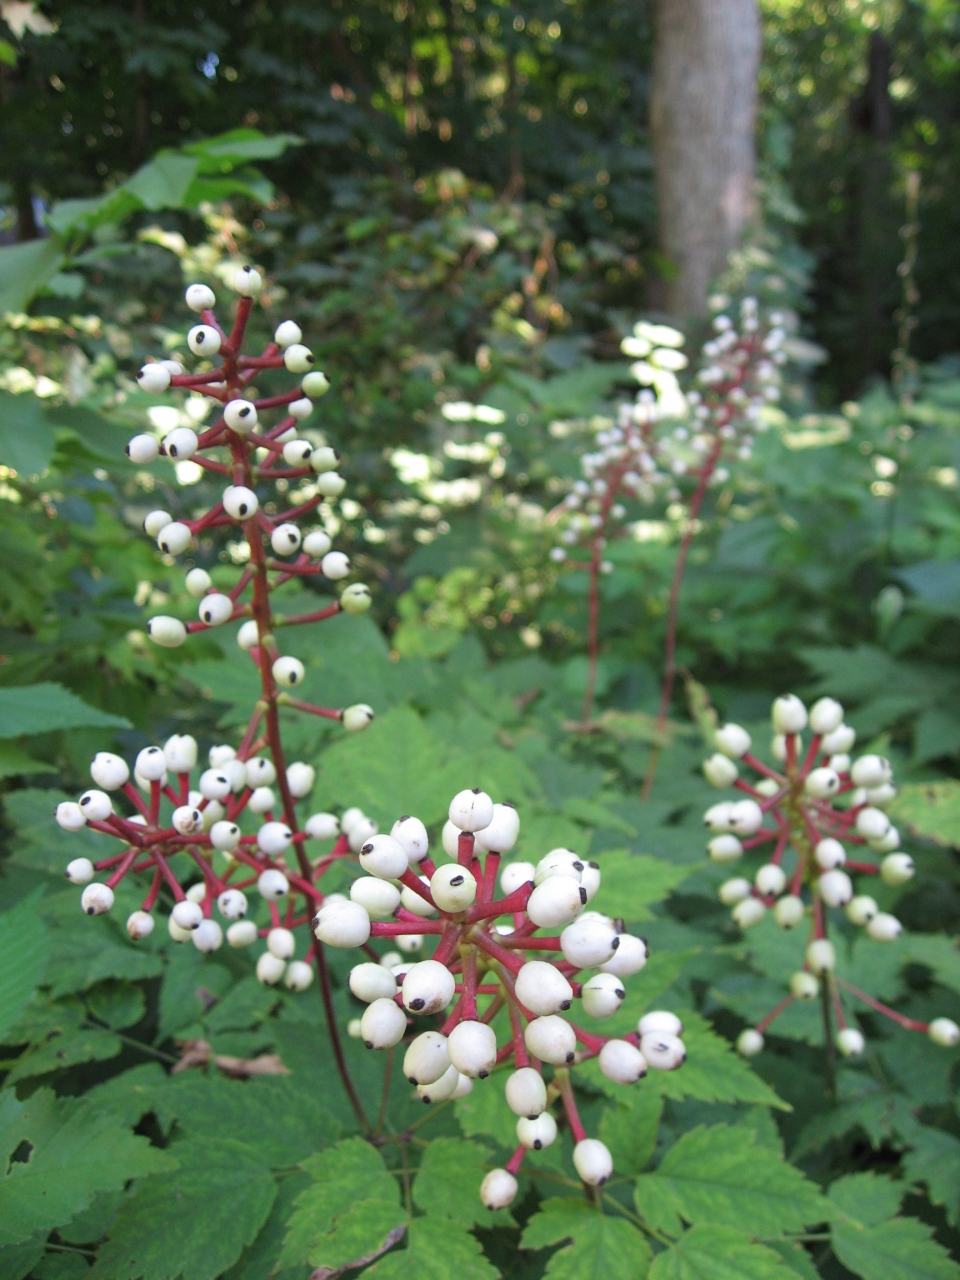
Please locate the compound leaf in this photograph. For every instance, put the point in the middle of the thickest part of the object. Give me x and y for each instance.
(349, 1173)
(437, 1249)
(192, 1223)
(602, 1247)
(720, 1174)
(448, 1182)
(718, 1253)
(901, 1249)
(59, 1153)
(23, 957)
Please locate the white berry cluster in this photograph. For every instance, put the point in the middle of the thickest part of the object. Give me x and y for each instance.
(802, 812)
(165, 816)
(666, 436)
(246, 452)
(525, 953)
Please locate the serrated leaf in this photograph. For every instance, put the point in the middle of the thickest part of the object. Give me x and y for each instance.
(901, 1249)
(448, 1182)
(59, 1036)
(17, 1260)
(717, 1253)
(401, 766)
(603, 1247)
(192, 1223)
(866, 1198)
(931, 809)
(660, 972)
(714, 1071)
(39, 842)
(485, 1111)
(720, 1174)
(938, 953)
(270, 1114)
(630, 1130)
(935, 1160)
(630, 883)
(23, 958)
(348, 1173)
(261, 1260)
(362, 1232)
(41, 708)
(437, 1249)
(66, 1151)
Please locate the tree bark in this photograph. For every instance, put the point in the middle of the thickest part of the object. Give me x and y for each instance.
(703, 115)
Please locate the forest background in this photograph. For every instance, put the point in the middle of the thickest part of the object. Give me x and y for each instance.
(466, 207)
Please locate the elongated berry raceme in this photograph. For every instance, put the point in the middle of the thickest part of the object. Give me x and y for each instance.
(490, 954)
(669, 444)
(817, 822)
(213, 841)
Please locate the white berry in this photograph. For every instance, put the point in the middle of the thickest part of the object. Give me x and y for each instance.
(200, 297)
(592, 1161)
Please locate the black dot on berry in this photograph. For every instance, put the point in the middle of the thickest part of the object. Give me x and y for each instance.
(616, 942)
(417, 1004)
(565, 1005)
(367, 848)
(412, 1079)
(405, 817)
(583, 895)
(537, 1145)
(457, 881)
(570, 1057)
(427, 1100)
(483, 1074)
(90, 911)
(620, 993)
(578, 866)
(368, 1043)
(595, 865)
(476, 791)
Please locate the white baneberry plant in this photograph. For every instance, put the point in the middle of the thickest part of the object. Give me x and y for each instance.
(236, 823)
(804, 812)
(522, 959)
(665, 442)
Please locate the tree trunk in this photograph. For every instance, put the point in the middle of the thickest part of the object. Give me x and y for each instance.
(703, 113)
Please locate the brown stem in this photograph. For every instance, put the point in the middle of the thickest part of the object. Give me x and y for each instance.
(670, 647)
(326, 995)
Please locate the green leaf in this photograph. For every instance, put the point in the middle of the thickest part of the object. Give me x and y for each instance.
(59, 1037)
(485, 1111)
(163, 182)
(26, 438)
(719, 1174)
(192, 1223)
(901, 1249)
(718, 1253)
(630, 1130)
(23, 957)
(41, 708)
(261, 1260)
(930, 809)
(630, 883)
(867, 1198)
(399, 766)
(239, 146)
(603, 1247)
(660, 972)
(935, 1160)
(361, 1233)
(8, 54)
(343, 1176)
(16, 763)
(17, 1260)
(40, 843)
(437, 1249)
(24, 270)
(65, 1152)
(448, 1182)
